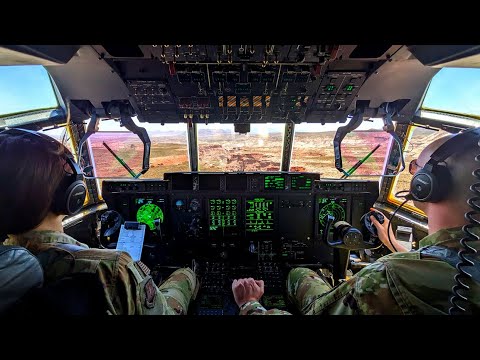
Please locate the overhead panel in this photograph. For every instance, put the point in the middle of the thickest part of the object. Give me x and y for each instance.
(242, 83)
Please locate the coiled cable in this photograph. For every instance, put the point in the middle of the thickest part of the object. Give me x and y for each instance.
(460, 288)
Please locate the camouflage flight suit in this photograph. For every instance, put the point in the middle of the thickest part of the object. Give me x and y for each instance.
(127, 284)
(408, 283)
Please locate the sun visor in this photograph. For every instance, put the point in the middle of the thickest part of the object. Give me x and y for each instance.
(447, 55)
(37, 54)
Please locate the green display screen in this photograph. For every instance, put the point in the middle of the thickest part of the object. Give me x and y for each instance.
(274, 182)
(337, 207)
(222, 213)
(301, 182)
(259, 215)
(329, 87)
(349, 87)
(149, 210)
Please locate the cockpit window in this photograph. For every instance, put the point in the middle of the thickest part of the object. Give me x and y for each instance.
(222, 149)
(454, 90)
(168, 150)
(25, 88)
(313, 149)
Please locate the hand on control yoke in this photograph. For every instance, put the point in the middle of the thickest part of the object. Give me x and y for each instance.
(382, 229)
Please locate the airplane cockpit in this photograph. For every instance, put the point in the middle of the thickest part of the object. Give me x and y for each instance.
(243, 160)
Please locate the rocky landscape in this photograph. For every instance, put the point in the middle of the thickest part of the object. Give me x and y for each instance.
(225, 151)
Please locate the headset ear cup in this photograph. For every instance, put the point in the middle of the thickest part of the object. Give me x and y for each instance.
(422, 185)
(431, 186)
(69, 200)
(75, 197)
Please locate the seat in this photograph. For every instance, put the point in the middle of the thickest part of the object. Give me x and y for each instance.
(20, 272)
(77, 295)
(22, 289)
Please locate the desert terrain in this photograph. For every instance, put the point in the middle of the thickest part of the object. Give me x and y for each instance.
(166, 154)
(222, 150)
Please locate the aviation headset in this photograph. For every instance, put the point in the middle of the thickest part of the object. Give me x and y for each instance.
(71, 192)
(433, 182)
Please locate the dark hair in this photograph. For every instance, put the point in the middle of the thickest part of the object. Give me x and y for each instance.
(31, 169)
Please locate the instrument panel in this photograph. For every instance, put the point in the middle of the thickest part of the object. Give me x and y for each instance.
(233, 208)
(239, 224)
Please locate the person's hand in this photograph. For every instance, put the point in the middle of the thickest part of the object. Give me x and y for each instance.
(382, 231)
(383, 235)
(245, 290)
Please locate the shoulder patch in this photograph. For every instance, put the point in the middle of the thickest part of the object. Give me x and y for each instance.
(150, 293)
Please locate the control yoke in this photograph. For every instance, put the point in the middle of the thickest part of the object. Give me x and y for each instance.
(345, 236)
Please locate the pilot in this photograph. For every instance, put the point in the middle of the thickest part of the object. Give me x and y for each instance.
(31, 172)
(407, 283)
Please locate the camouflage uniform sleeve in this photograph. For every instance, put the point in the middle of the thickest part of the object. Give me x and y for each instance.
(255, 308)
(179, 289)
(366, 293)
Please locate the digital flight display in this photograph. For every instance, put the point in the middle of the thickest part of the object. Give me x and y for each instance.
(301, 182)
(150, 211)
(336, 207)
(222, 216)
(274, 182)
(259, 215)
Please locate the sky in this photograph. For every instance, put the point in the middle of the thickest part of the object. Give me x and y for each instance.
(28, 87)
(455, 90)
(24, 88)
